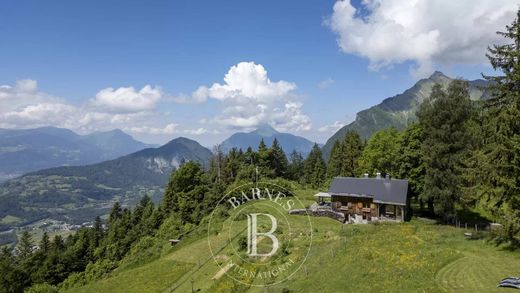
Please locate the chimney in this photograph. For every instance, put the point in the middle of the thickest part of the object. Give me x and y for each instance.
(365, 175)
(387, 176)
(378, 175)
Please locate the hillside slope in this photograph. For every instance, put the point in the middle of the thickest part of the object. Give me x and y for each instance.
(79, 193)
(410, 257)
(398, 111)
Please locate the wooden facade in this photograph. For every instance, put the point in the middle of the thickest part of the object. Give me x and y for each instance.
(365, 209)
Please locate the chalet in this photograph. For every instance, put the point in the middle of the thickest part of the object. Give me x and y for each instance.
(366, 199)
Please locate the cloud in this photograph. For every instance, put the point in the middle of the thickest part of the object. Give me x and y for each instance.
(22, 93)
(249, 98)
(27, 85)
(39, 115)
(426, 32)
(24, 106)
(246, 81)
(198, 131)
(246, 98)
(127, 99)
(331, 128)
(168, 129)
(326, 83)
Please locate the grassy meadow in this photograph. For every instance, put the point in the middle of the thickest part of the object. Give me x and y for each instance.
(417, 256)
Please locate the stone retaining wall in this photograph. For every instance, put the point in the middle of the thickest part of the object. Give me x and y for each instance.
(320, 213)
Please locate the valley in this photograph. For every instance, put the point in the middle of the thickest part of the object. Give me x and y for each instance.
(78, 194)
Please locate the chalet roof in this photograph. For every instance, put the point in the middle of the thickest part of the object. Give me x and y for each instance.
(392, 191)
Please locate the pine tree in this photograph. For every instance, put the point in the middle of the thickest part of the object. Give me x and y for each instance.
(12, 277)
(57, 243)
(278, 159)
(232, 164)
(25, 246)
(335, 164)
(352, 151)
(264, 154)
(315, 170)
(501, 152)
(45, 243)
(444, 119)
(115, 213)
(506, 59)
(250, 156)
(295, 168)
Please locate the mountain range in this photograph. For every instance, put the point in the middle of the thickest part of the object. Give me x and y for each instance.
(399, 111)
(79, 193)
(27, 150)
(288, 142)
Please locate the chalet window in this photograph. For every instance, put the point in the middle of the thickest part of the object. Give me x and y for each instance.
(366, 205)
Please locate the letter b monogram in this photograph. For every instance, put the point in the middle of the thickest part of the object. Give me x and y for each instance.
(252, 235)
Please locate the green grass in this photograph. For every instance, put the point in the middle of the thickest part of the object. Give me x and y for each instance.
(478, 270)
(418, 256)
(10, 220)
(152, 277)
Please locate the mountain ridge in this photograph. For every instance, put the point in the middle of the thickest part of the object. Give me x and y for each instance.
(287, 141)
(399, 110)
(27, 150)
(79, 193)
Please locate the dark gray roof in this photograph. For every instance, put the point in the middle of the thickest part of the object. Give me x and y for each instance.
(382, 190)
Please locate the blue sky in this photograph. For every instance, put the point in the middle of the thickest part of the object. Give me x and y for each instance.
(73, 50)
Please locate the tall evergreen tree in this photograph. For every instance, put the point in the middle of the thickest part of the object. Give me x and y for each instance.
(45, 243)
(501, 152)
(506, 59)
(352, 149)
(57, 243)
(250, 156)
(444, 119)
(295, 168)
(12, 278)
(233, 163)
(315, 170)
(335, 164)
(25, 245)
(116, 212)
(278, 159)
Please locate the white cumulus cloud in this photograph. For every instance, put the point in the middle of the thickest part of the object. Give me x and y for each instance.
(423, 31)
(249, 98)
(247, 81)
(23, 106)
(127, 99)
